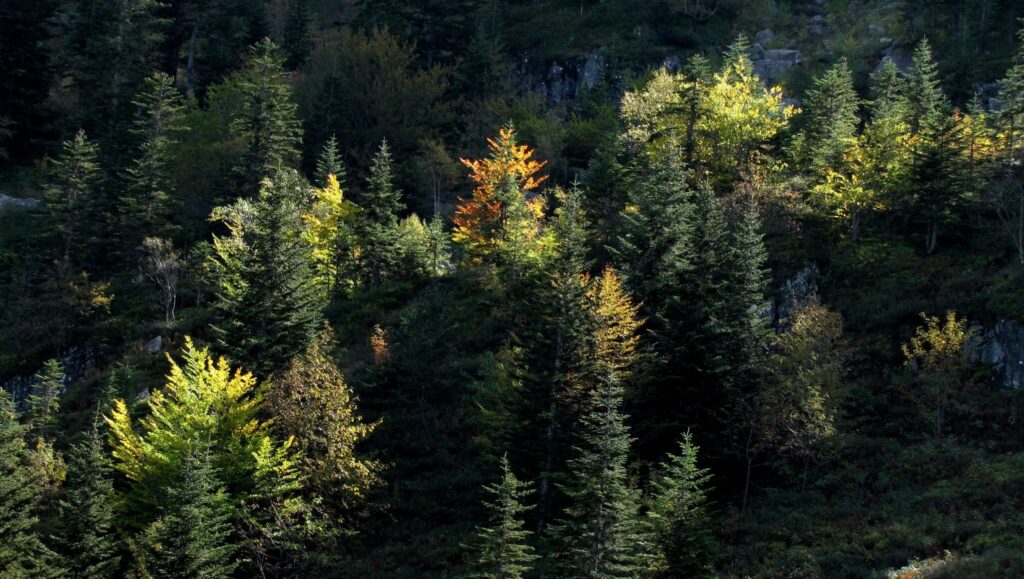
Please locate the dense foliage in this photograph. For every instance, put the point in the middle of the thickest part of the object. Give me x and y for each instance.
(666, 288)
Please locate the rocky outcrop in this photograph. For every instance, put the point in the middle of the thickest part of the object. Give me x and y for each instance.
(799, 288)
(770, 64)
(565, 80)
(1002, 347)
(77, 362)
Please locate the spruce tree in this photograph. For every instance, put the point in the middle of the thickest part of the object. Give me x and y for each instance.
(268, 304)
(600, 534)
(22, 552)
(504, 551)
(939, 174)
(149, 203)
(888, 92)
(72, 196)
(267, 122)
(296, 41)
(88, 539)
(44, 402)
(192, 537)
(925, 100)
(378, 222)
(832, 118)
(679, 516)
(329, 162)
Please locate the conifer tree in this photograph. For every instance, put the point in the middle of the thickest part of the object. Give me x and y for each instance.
(939, 175)
(22, 552)
(296, 41)
(832, 110)
(888, 92)
(750, 282)
(329, 231)
(679, 516)
(72, 195)
(268, 304)
(114, 46)
(267, 122)
(696, 84)
(600, 534)
(150, 200)
(925, 100)
(44, 402)
(504, 552)
(329, 162)
(192, 536)
(378, 222)
(88, 539)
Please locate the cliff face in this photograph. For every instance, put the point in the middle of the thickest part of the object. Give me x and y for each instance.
(1001, 346)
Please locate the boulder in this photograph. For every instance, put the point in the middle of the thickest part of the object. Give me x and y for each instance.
(763, 37)
(154, 346)
(593, 72)
(774, 62)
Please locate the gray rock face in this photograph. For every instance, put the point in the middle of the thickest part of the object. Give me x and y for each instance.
(593, 71)
(8, 202)
(900, 58)
(564, 80)
(773, 63)
(1001, 346)
(765, 36)
(672, 63)
(796, 291)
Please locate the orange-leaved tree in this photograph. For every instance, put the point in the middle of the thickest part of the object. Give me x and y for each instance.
(499, 216)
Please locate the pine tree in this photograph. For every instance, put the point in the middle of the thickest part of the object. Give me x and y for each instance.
(696, 83)
(832, 118)
(925, 100)
(268, 304)
(329, 162)
(149, 203)
(679, 516)
(378, 222)
(88, 539)
(72, 195)
(504, 552)
(44, 402)
(192, 537)
(267, 123)
(22, 552)
(750, 282)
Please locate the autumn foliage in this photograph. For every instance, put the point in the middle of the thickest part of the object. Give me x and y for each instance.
(501, 181)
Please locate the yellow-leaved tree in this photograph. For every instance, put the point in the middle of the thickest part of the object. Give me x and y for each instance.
(328, 233)
(938, 357)
(207, 408)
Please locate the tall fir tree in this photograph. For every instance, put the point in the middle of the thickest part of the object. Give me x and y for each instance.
(329, 162)
(378, 222)
(832, 119)
(89, 540)
(22, 551)
(925, 100)
(268, 304)
(888, 92)
(504, 551)
(149, 204)
(192, 537)
(600, 534)
(267, 121)
(939, 175)
(73, 196)
(680, 516)
(44, 402)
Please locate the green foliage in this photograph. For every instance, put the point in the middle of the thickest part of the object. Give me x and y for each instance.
(329, 162)
(88, 539)
(268, 306)
(73, 196)
(680, 516)
(22, 552)
(192, 536)
(266, 122)
(832, 118)
(503, 549)
(150, 202)
(44, 402)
